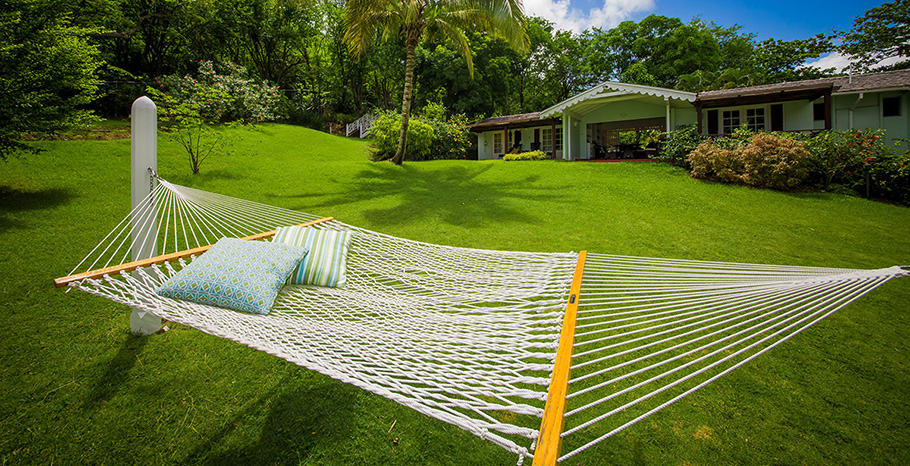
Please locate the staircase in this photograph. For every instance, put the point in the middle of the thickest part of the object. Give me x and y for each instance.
(361, 126)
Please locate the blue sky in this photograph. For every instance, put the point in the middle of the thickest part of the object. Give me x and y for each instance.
(779, 19)
(793, 19)
(769, 18)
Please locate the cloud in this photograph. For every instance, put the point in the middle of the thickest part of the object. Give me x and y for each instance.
(840, 62)
(566, 16)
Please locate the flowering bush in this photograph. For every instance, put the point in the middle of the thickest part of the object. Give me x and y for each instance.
(766, 161)
(227, 96)
(191, 107)
(451, 138)
(889, 178)
(187, 117)
(842, 157)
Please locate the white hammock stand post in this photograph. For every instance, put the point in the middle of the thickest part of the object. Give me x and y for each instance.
(508, 345)
(143, 165)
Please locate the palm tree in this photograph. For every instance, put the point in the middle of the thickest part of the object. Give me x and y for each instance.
(416, 20)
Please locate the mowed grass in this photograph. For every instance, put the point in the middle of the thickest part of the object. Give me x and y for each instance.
(76, 387)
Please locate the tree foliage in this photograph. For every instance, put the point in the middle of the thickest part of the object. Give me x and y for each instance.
(47, 71)
(57, 56)
(371, 21)
(883, 32)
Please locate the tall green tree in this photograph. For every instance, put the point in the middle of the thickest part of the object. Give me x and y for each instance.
(47, 71)
(883, 32)
(416, 20)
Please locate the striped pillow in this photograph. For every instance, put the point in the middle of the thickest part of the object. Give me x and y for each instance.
(326, 261)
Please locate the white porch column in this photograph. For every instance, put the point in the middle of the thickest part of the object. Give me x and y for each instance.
(144, 158)
(667, 100)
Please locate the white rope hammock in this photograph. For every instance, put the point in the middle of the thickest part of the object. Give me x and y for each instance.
(470, 336)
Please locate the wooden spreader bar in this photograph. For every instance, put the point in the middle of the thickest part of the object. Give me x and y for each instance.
(549, 438)
(130, 266)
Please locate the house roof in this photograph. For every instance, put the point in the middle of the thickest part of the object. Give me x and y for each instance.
(899, 79)
(613, 89)
(811, 88)
(520, 120)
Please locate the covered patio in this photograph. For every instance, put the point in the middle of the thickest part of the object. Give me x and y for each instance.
(620, 121)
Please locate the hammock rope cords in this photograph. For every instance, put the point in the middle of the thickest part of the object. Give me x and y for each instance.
(469, 336)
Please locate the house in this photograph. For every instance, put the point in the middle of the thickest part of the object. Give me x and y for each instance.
(598, 121)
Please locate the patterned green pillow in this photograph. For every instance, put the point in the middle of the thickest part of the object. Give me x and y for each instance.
(236, 274)
(327, 259)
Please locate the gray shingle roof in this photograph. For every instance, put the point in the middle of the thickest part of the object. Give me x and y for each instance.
(840, 84)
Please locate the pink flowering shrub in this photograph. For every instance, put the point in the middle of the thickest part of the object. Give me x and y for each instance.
(228, 95)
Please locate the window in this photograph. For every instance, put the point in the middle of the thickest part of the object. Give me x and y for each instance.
(558, 138)
(818, 111)
(497, 143)
(755, 119)
(731, 121)
(891, 106)
(546, 137)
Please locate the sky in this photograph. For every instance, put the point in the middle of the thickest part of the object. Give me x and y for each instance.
(778, 19)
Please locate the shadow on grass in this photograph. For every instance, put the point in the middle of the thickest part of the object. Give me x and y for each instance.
(117, 371)
(451, 194)
(16, 200)
(298, 419)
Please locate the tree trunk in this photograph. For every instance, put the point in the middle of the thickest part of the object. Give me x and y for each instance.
(406, 102)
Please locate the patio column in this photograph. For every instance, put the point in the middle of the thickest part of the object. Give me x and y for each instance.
(698, 116)
(828, 109)
(553, 138)
(505, 141)
(567, 136)
(667, 100)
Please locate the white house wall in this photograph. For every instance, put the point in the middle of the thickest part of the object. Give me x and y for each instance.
(680, 117)
(485, 141)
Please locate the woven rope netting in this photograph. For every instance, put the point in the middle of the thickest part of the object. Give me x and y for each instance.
(470, 336)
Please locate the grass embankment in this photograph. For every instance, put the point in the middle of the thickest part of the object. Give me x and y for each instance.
(77, 387)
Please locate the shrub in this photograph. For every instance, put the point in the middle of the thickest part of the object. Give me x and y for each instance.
(890, 178)
(532, 155)
(711, 162)
(773, 162)
(189, 118)
(431, 136)
(741, 136)
(766, 161)
(679, 144)
(386, 131)
(842, 156)
(241, 97)
(451, 137)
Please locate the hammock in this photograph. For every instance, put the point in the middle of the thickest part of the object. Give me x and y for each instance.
(543, 354)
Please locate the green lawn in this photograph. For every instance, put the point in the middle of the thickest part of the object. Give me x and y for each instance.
(77, 387)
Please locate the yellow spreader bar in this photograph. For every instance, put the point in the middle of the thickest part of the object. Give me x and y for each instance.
(549, 440)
